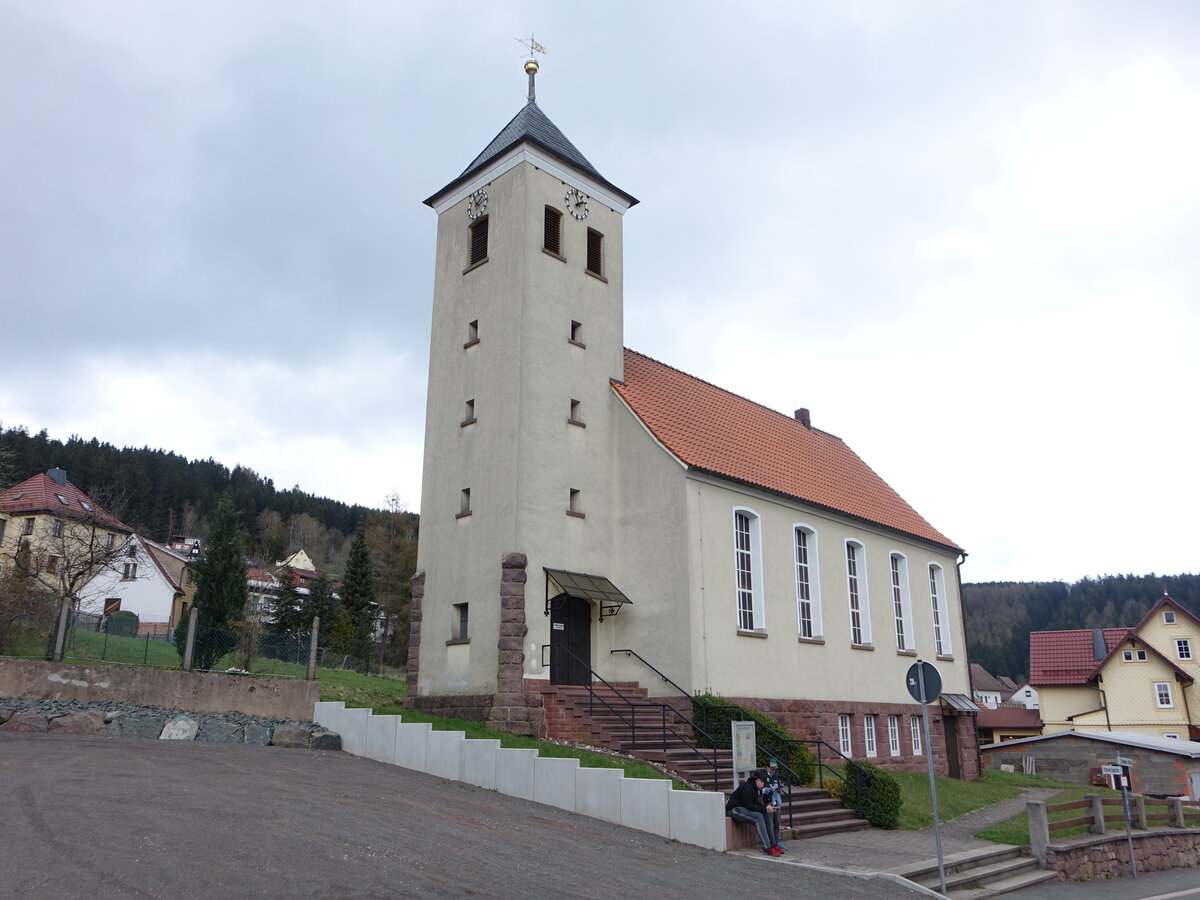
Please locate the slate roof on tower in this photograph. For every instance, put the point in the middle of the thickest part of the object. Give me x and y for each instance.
(532, 126)
(712, 430)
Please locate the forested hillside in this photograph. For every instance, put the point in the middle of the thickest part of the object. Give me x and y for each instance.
(162, 494)
(1000, 615)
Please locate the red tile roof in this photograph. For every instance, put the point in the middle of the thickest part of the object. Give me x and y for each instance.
(713, 430)
(40, 494)
(1067, 657)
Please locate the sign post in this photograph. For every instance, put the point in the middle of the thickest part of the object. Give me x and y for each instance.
(924, 683)
(745, 755)
(1122, 763)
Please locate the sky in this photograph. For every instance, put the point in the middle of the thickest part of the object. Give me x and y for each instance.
(963, 234)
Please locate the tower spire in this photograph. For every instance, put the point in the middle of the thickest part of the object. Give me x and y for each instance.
(531, 65)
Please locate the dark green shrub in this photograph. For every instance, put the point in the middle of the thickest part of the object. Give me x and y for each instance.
(880, 793)
(714, 713)
(122, 623)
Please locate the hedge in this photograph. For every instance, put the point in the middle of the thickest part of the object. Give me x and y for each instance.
(714, 714)
(880, 793)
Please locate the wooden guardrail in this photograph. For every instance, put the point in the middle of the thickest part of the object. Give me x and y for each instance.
(1179, 814)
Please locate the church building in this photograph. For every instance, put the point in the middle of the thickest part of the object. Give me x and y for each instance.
(582, 500)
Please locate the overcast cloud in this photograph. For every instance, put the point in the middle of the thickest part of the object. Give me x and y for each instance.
(962, 233)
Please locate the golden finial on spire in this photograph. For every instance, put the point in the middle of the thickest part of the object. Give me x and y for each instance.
(531, 64)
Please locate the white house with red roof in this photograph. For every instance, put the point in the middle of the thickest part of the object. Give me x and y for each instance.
(147, 579)
(581, 499)
(1140, 678)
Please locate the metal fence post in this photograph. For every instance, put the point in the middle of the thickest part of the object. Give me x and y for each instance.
(312, 648)
(1097, 826)
(60, 636)
(1039, 830)
(191, 641)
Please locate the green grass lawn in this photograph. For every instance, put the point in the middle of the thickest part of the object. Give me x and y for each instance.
(1016, 830)
(955, 798)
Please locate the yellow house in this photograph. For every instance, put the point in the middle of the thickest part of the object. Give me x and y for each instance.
(1140, 679)
(54, 532)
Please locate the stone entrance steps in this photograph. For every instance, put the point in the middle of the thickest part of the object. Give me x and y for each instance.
(980, 874)
(661, 738)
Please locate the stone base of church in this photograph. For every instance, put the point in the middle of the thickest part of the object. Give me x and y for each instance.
(818, 720)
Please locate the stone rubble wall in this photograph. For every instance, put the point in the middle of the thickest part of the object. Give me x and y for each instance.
(1109, 856)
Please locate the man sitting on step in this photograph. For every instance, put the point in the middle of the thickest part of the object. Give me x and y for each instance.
(745, 805)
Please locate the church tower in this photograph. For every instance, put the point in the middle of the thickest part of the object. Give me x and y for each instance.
(526, 336)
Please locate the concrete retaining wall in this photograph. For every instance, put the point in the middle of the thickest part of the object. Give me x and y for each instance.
(195, 691)
(647, 804)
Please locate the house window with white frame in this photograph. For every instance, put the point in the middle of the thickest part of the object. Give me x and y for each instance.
(869, 734)
(914, 727)
(1168, 617)
(856, 589)
(941, 616)
(1183, 648)
(901, 604)
(1162, 695)
(747, 566)
(1133, 656)
(894, 735)
(808, 589)
(844, 743)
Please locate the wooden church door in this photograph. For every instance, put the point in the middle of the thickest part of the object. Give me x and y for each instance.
(570, 631)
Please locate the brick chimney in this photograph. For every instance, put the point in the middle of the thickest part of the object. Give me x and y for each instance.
(804, 418)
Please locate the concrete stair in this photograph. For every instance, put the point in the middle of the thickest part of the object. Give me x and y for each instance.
(980, 874)
(662, 737)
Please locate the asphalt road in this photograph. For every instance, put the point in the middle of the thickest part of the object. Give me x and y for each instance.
(98, 817)
(1170, 884)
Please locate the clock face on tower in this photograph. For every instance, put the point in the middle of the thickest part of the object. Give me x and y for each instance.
(577, 203)
(477, 204)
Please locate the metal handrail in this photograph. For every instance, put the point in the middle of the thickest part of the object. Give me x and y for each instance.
(859, 773)
(632, 721)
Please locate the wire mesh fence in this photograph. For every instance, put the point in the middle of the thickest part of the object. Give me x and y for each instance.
(117, 639)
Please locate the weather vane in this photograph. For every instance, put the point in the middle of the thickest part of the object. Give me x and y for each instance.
(531, 65)
(532, 45)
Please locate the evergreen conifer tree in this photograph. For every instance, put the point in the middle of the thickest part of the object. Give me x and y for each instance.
(220, 589)
(358, 594)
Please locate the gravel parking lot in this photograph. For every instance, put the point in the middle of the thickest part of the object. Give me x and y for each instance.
(99, 817)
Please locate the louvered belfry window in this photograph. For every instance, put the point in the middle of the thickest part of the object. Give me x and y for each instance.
(479, 241)
(595, 252)
(553, 239)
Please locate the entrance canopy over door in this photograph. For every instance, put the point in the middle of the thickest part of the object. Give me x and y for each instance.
(592, 588)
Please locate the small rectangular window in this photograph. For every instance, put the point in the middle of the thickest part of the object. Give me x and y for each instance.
(1162, 695)
(468, 413)
(577, 334)
(869, 734)
(108, 541)
(3, 527)
(575, 417)
(595, 252)
(52, 564)
(464, 503)
(573, 504)
(552, 241)
(844, 745)
(894, 735)
(130, 572)
(56, 529)
(914, 726)
(472, 334)
(1173, 735)
(112, 605)
(460, 630)
(28, 527)
(1183, 648)
(479, 241)
(1133, 655)
(1168, 617)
